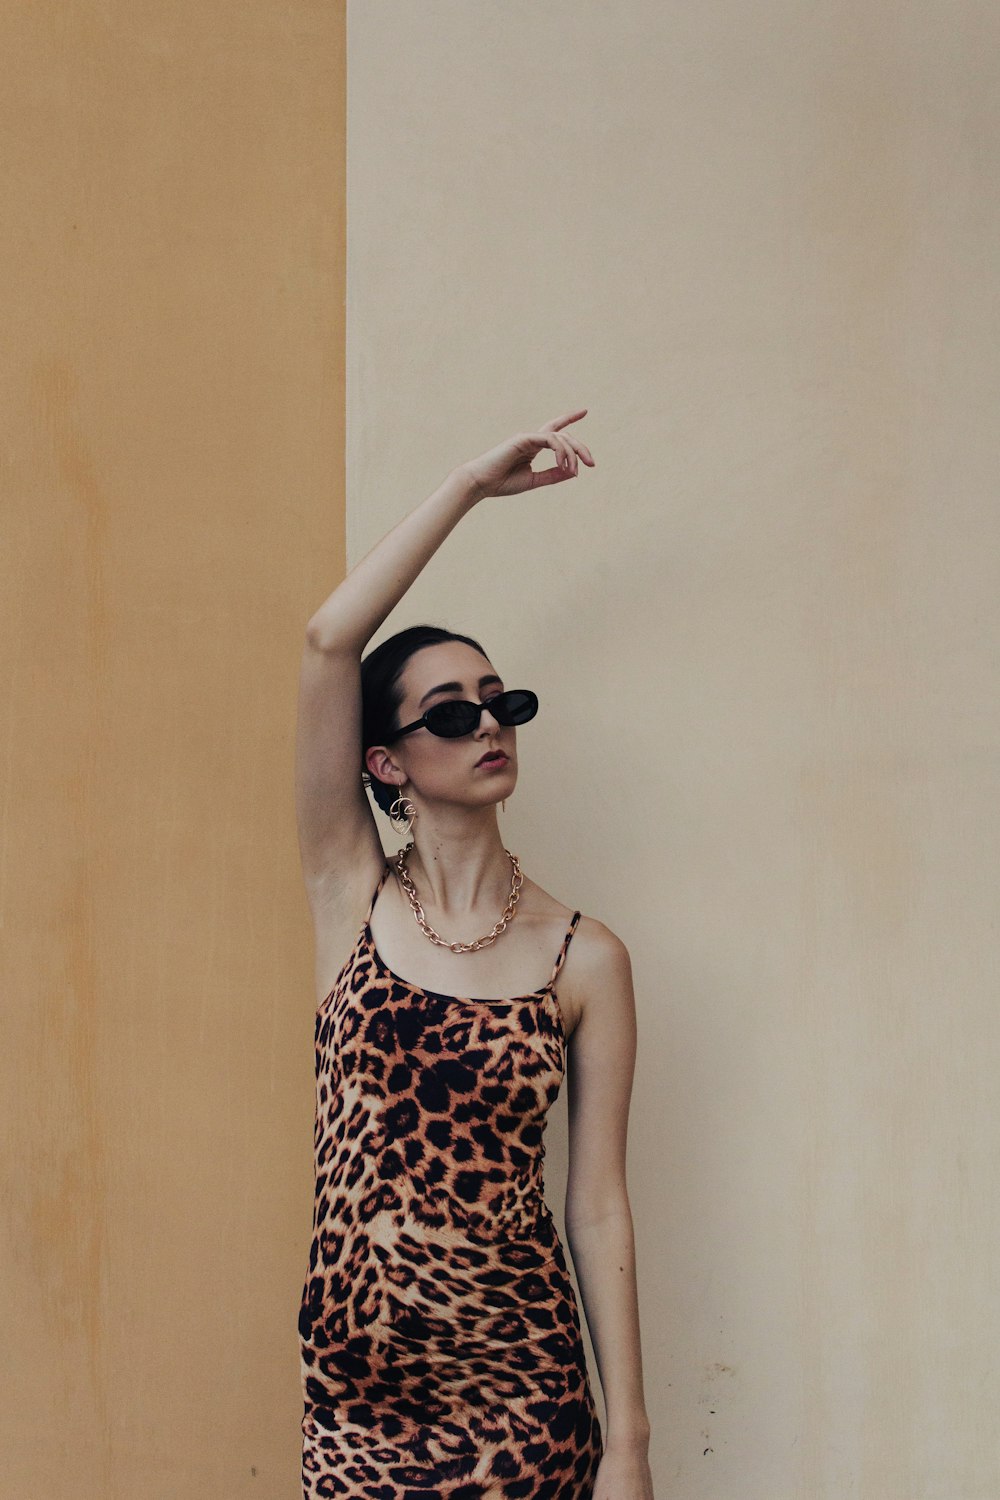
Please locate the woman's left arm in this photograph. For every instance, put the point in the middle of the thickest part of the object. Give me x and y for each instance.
(598, 1216)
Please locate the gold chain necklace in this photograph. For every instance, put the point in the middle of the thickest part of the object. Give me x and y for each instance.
(508, 913)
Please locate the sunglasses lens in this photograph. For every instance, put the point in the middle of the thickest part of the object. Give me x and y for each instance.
(451, 719)
(516, 706)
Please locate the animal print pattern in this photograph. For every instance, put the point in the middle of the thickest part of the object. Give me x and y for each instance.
(440, 1338)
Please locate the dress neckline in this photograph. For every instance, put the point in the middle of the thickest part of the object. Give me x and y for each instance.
(380, 962)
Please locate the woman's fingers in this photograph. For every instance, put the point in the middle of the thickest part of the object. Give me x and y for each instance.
(557, 471)
(555, 475)
(557, 422)
(578, 447)
(571, 446)
(572, 462)
(567, 452)
(560, 447)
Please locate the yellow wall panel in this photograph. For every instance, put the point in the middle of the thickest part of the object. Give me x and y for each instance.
(173, 263)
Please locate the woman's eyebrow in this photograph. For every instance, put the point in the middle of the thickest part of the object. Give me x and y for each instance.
(456, 687)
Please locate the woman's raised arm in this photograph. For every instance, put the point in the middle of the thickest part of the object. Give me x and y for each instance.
(338, 839)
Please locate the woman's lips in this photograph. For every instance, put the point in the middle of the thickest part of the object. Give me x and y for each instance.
(497, 758)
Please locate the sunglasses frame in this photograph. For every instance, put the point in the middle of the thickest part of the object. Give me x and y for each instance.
(422, 723)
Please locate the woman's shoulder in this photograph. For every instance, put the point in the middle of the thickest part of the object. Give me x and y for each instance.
(602, 944)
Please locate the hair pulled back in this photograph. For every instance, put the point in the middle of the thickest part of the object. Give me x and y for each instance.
(382, 693)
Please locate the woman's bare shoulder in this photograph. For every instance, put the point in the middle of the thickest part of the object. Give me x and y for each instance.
(600, 957)
(593, 934)
(597, 960)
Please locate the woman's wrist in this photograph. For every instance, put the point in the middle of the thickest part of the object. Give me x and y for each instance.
(464, 477)
(633, 1434)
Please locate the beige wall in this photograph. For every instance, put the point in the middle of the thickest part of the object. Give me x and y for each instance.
(759, 243)
(172, 265)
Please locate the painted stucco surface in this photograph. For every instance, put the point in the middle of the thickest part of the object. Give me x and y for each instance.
(172, 426)
(759, 243)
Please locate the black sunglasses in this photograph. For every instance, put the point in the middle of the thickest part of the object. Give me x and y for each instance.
(454, 717)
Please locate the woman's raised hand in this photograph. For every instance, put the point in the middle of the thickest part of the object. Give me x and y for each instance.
(506, 469)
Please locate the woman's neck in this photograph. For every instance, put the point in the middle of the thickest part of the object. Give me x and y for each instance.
(455, 876)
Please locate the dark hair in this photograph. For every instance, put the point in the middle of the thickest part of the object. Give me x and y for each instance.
(382, 693)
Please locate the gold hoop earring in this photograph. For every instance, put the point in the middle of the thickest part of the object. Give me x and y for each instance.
(400, 809)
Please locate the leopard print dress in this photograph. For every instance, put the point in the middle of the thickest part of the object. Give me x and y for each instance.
(439, 1332)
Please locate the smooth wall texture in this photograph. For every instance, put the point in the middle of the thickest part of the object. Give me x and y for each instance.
(172, 261)
(759, 242)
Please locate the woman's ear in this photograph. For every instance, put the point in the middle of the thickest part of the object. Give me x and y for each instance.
(380, 765)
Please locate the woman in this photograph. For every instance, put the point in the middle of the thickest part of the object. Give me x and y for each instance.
(440, 1336)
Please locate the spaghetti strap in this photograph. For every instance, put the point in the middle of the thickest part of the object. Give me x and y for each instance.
(371, 904)
(562, 951)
